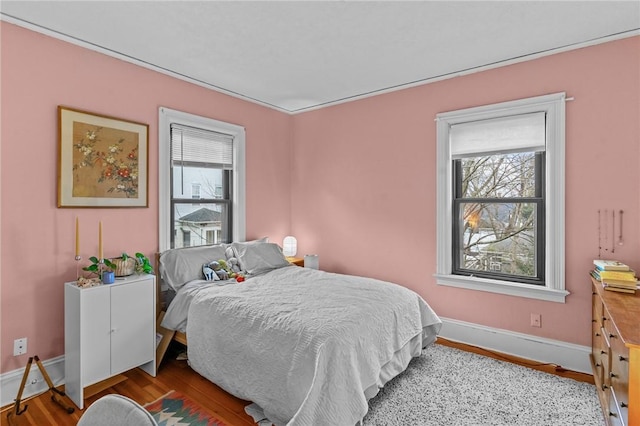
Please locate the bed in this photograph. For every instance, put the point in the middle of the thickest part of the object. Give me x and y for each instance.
(307, 347)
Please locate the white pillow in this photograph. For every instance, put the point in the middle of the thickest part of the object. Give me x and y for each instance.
(179, 266)
(257, 258)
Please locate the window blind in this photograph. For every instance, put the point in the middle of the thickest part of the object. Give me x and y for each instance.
(193, 145)
(517, 133)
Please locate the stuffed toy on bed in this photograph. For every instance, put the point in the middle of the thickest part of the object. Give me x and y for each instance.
(219, 267)
(209, 274)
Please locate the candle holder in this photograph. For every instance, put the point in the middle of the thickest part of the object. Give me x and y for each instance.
(78, 259)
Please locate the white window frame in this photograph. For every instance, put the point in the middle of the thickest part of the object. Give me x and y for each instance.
(554, 107)
(166, 118)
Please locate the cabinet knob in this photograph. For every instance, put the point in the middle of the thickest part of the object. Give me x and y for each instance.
(623, 405)
(603, 352)
(621, 358)
(612, 335)
(613, 414)
(597, 334)
(604, 387)
(612, 374)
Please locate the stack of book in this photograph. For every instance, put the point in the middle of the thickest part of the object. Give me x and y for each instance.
(615, 276)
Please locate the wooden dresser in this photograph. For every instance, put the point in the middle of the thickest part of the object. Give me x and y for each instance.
(615, 354)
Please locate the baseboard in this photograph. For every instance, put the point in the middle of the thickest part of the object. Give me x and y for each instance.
(35, 384)
(568, 355)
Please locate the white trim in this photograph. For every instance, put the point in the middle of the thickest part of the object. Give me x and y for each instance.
(35, 385)
(496, 286)
(167, 116)
(468, 71)
(554, 106)
(568, 355)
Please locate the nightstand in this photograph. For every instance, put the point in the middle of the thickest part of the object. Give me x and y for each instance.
(108, 329)
(295, 260)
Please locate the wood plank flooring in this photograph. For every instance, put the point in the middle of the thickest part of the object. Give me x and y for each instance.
(177, 375)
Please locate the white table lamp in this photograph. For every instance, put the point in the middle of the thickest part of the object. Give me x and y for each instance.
(289, 246)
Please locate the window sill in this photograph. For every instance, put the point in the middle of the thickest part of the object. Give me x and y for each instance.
(502, 287)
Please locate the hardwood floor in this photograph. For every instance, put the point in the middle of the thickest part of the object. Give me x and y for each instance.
(177, 375)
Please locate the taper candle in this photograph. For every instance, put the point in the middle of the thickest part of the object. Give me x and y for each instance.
(77, 236)
(100, 242)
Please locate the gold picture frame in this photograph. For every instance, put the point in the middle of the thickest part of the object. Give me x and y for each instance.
(103, 161)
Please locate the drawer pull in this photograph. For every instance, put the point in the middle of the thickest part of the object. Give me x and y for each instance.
(603, 352)
(623, 405)
(597, 334)
(612, 374)
(613, 414)
(612, 335)
(604, 387)
(621, 358)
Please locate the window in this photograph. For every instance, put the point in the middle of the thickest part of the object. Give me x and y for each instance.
(500, 216)
(201, 181)
(195, 190)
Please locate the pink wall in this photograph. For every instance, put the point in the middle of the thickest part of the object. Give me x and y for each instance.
(364, 181)
(38, 74)
(354, 182)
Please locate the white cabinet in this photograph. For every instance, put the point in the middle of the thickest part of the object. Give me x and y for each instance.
(108, 330)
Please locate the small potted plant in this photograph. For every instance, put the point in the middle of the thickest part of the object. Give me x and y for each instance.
(125, 265)
(142, 263)
(103, 269)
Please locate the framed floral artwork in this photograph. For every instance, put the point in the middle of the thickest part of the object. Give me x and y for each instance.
(103, 161)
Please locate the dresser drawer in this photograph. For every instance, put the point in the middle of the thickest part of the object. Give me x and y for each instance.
(616, 416)
(619, 375)
(600, 353)
(597, 309)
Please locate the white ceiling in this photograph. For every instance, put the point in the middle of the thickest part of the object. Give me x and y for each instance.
(296, 56)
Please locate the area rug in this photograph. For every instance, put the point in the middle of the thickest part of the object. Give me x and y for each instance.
(448, 386)
(175, 409)
(445, 386)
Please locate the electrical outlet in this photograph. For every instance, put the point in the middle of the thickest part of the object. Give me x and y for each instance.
(536, 320)
(20, 346)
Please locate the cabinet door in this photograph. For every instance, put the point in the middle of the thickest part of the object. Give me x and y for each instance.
(132, 325)
(95, 335)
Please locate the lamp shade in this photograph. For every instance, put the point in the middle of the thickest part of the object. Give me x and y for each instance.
(290, 246)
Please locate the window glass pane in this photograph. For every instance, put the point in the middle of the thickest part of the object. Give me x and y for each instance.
(200, 224)
(499, 176)
(205, 179)
(498, 237)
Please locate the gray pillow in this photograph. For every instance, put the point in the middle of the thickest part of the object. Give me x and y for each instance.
(257, 258)
(179, 266)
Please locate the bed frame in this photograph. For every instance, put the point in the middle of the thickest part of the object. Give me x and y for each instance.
(164, 336)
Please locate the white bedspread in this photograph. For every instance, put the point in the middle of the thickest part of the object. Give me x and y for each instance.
(305, 345)
(175, 317)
